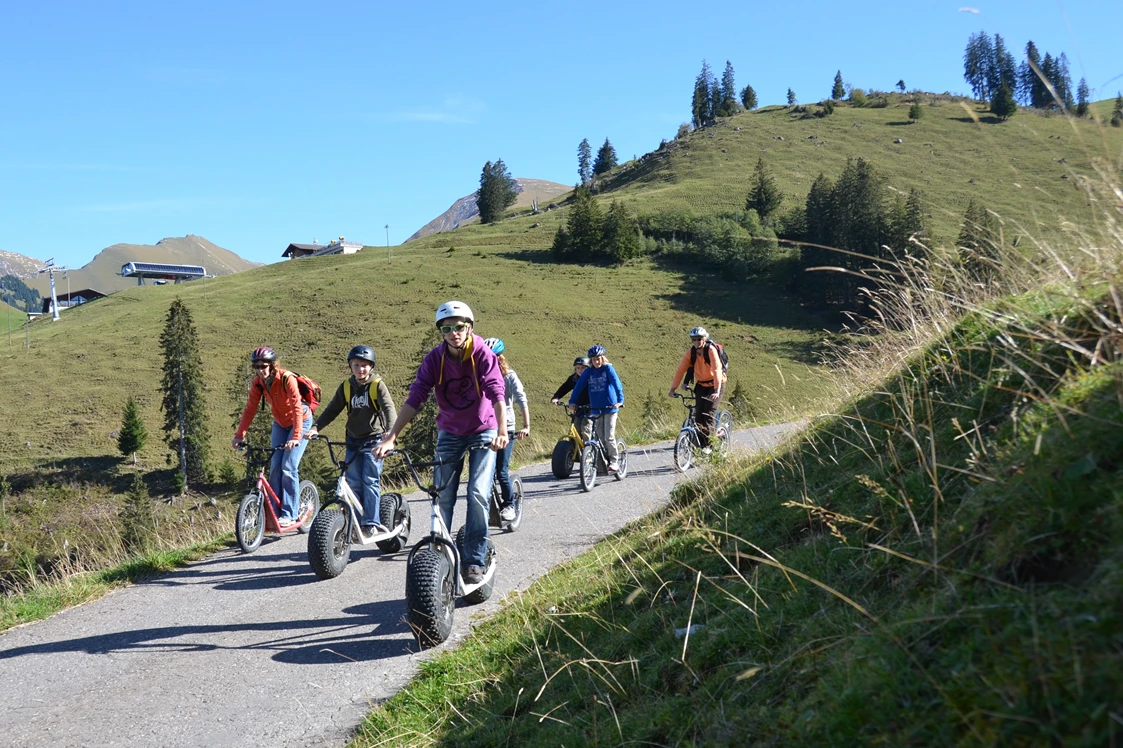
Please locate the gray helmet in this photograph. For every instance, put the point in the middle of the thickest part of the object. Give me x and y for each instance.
(361, 352)
(699, 332)
(580, 361)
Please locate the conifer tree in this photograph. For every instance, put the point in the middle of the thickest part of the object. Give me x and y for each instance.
(584, 161)
(700, 111)
(605, 160)
(979, 66)
(1003, 105)
(184, 400)
(138, 522)
(1117, 111)
(498, 191)
(901, 85)
(585, 227)
(1032, 89)
(133, 434)
(621, 235)
(1082, 94)
(1062, 81)
(838, 90)
(748, 98)
(916, 111)
(1005, 69)
(791, 97)
(764, 194)
(728, 91)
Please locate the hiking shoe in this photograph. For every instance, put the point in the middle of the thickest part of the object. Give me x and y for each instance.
(285, 522)
(507, 513)
(474, 574)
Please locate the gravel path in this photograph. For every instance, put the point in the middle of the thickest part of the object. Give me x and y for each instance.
(242, 649)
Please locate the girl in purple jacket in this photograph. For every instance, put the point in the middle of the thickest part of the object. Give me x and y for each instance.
(464, 374)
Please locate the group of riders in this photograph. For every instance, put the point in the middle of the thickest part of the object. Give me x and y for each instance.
(477, 394)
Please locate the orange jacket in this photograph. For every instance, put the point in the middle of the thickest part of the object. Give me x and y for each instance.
(710, 374)
(283, 397)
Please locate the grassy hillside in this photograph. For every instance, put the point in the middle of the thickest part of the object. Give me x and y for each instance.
(11, 318)
(68, 390)
(937, 564)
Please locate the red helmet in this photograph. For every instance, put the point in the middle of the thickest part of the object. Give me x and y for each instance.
(264, 353)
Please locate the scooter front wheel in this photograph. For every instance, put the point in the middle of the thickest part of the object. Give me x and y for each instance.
(430, 594)
(621, 460)
(329, 544)
(588, 467)
(249, 525)
(308, 504)
(684, 450)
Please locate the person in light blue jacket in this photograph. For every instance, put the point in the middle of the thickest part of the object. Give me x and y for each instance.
(606, 397)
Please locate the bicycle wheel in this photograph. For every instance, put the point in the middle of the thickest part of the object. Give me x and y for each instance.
(329, 544)
(392, 511)
(684, 450)
(517, 503)
(430, 594)
(308, 504)
(249, 525)
(588, 467)
(621, 459)
(562, 461)
(725, 429)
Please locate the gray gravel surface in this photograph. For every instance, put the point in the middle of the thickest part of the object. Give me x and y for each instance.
(240, 649)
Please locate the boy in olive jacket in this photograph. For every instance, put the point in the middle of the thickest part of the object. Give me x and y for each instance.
(370, 411)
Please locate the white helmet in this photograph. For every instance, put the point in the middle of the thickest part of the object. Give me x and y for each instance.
(699, 332)
(455, 309)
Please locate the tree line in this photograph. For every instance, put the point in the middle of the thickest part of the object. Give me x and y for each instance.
(15, 292)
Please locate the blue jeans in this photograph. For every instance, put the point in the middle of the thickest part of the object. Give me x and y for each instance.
(284, 469)
(364, 476)
(502, 465)
(481, 467)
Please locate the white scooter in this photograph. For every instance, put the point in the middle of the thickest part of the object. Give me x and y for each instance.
(337, 527)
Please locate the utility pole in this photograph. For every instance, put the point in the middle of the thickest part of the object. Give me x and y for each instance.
(50, 269)
(387, 244)
(182, 429)
(9, 321)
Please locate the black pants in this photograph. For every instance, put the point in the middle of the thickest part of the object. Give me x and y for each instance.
(704, 410)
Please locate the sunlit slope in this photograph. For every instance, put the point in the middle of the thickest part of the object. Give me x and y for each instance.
(65, 395)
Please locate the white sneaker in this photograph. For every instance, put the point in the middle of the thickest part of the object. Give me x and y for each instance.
(707, 451)
(507, 513)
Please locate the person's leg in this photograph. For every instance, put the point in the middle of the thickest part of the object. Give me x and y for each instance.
(290, 474)
(608, 438)
(585, 426)
(279, 436)
(502, 471)
(372, 487)
(354, 474)
(704, 415)
(481, 468)
(446, 476)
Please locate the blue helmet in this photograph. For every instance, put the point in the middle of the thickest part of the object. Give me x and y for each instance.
(596, 350)
(495, 344)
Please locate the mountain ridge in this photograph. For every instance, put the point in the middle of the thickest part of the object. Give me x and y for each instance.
(464, 210)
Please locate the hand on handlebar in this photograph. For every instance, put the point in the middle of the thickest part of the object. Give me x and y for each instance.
(385, 447)
(311, 433)
(500, 442)
(523, 433)
(291, 444)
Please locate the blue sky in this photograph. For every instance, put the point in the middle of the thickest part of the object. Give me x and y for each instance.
(258, 124)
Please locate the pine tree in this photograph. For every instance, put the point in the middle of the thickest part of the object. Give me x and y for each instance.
(1031, 87)
(1003, 105)
(791, 97)
(748, 98)
(138, 523)
(978, 65)
(133, 434)
(700, 115)
(1048, 73)
(498, 191)
(605, 160)
(838, 90)
(184, 402)
(728, 92)
(901, 85)
(1117, 111)
(585, 227)
(916, 111)
(764, 194)
(621, 236)
(584, 161)
(1005, 68)
(906, 222)
(1082, 94)
(1062, 81)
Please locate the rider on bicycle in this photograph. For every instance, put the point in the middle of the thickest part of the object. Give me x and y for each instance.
(704, 361)
(464, 375)
(606, 396)
(291, 418)
(514, 394)
(370, 411)
(582, 422)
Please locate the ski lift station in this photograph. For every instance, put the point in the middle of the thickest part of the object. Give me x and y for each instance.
(161, 272)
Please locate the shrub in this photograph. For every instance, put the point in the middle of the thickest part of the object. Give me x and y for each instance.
(858, 97)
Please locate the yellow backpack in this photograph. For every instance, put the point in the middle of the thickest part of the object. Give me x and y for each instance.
(347, 391)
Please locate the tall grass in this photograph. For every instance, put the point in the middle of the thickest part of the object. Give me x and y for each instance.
(939, 561)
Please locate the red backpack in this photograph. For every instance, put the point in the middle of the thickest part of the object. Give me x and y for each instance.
(310, 391)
